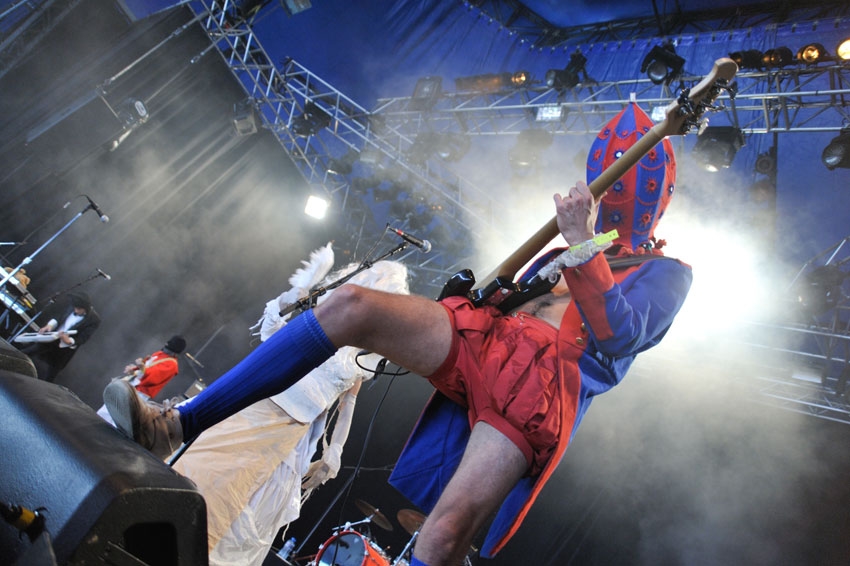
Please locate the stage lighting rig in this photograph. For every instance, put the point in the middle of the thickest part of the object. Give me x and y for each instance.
(493, 82)
(812, 54)
(662, 64)
(778, 57)
(748, 59)
(837, 153)
(311, 121)
(843, 50)
(569, 76)
(716, 147)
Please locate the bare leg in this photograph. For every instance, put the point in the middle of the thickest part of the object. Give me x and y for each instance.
(414, 332)
(489, 469)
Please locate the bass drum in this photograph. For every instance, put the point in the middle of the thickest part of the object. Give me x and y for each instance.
(350, 548)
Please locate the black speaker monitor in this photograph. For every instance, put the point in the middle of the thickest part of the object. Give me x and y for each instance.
(103, 499)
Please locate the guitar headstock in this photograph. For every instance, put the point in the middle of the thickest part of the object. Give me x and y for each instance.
(684, 113)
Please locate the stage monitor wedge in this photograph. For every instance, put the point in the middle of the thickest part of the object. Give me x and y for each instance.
(104, 499)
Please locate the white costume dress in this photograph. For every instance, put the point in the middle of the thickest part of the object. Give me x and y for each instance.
(250, 466)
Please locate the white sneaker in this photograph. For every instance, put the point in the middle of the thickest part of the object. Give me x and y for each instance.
(154, 426)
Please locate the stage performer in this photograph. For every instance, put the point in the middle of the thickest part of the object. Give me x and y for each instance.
(512, 387)
(153, 372)
(254, 469)
(79, 316)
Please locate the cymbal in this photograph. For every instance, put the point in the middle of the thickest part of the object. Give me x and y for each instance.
(376, 516)
(411, 520)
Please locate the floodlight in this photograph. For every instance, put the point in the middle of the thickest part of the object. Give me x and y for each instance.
(426, 93)
(749, 59)
(766, 163)
(520, 78)
(568, 77)
(843, 50)
(245, 119)
(820, 291)
(492, 82)
(317, 207)
(550, 113)
(662, 65)
(311, 121)
(292, 7)
(837, 153)
(778, 57)
(530, 144)
(812, 53)
(716, 147)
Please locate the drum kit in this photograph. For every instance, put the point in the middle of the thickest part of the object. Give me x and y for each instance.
(348, 546)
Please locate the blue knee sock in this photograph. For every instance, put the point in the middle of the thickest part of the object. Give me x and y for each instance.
(416, 562)
(287, 356)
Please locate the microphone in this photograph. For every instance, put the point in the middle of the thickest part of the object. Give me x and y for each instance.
(103, 218)
(104, 274)
(423, 245)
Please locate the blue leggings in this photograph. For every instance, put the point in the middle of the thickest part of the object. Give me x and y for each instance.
(287, 356)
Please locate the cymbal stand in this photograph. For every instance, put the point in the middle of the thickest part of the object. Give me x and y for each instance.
(405, 550)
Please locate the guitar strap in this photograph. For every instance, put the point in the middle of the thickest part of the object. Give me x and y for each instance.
(618, 263)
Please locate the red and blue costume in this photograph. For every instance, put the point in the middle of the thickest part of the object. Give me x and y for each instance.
(613, 316)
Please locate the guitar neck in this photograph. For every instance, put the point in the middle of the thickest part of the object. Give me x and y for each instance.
(537, 242)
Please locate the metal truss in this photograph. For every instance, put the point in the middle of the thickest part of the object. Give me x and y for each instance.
(793, 99)
(317, 124)
(801, 381)
(813, 349)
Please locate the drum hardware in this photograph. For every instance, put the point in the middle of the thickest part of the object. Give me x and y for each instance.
(411, 521)
(373, 514)
(350, 548)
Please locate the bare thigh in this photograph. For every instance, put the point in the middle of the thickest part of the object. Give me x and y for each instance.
(490, 468)
(412, 331)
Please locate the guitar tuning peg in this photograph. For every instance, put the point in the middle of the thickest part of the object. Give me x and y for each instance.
(703, 124)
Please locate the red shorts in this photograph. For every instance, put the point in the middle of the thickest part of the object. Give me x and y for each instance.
(504, 369)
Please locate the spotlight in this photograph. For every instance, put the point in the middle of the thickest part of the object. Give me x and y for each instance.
(492, 82)
(452, 146)
(530, 144)
(520, 78)
(821, 289)
(843, 50)
(569, 76)
(292, 7)
(778, 57)
(749, 59)
(317, 207)
(245, 117)
(766, 163)
(662, 65)
(837, 153)
(550, 113)
(343, 165)
(426, 93)
(812, 53)
(716, 147)
(311, 121)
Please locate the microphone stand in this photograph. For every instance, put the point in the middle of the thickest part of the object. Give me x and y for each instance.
(309, 301)
(27, 260)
